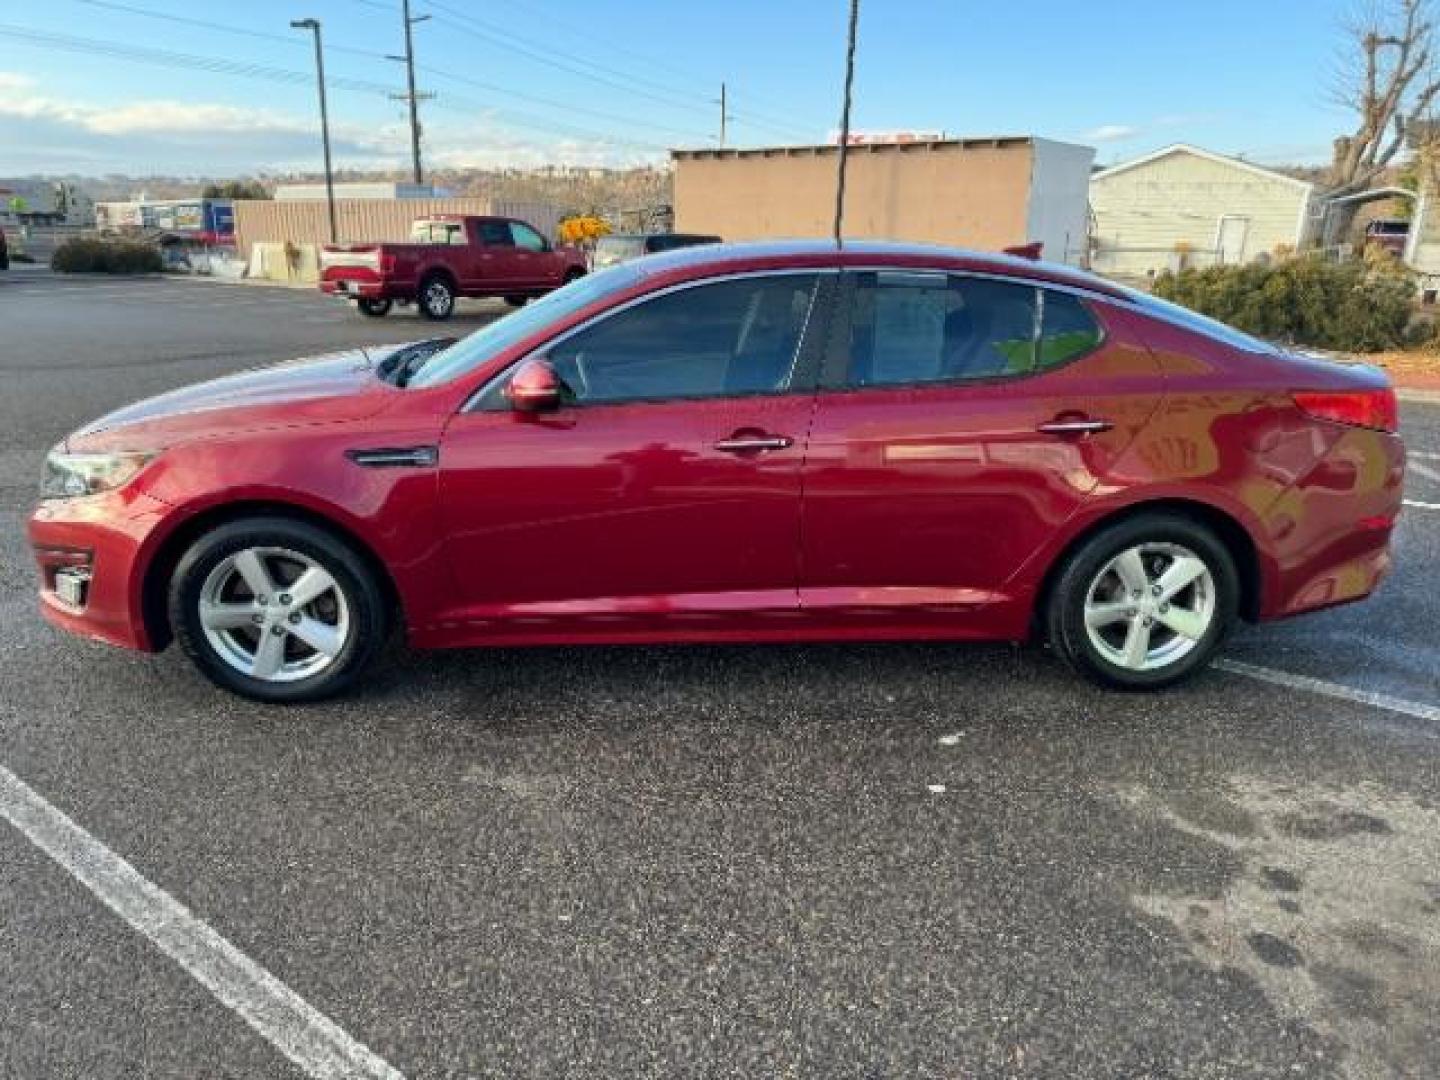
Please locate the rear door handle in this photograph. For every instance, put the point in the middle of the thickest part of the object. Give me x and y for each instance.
(1078, 426)
(752, 444)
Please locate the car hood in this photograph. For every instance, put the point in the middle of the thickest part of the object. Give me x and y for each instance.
(314, 390)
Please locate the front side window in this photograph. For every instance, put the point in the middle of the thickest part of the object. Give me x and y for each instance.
(526, 237)
(717, 340)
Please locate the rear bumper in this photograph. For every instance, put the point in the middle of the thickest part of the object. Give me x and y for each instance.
(1331, 531)
(348, 288)
(108, 535)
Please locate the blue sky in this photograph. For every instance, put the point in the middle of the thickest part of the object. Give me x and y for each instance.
(618, 81)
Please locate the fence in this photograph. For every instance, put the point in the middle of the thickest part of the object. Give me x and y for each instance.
(306, 222)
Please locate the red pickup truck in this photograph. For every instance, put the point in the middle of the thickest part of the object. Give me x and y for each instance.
(449, 256)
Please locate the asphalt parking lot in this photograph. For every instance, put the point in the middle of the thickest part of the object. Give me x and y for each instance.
(837, 861)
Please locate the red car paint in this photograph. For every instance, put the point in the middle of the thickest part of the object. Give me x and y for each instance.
(384, 271)
(918, 512)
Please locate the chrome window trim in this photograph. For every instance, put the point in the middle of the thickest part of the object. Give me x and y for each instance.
(539, 351)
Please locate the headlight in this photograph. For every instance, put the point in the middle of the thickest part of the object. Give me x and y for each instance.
(68, 476)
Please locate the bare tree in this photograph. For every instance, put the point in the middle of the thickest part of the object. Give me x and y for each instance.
(1389, 79)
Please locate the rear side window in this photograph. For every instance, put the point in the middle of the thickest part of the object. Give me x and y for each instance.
(495, 233)
(723, 339)
(924, 327)
(935, 327)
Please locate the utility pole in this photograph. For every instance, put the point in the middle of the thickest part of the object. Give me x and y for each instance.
(410, 96)
(314, 26)
(723, 117)
(845, 122)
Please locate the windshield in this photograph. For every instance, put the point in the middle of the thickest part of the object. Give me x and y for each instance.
(1201, 324)
(489, 341)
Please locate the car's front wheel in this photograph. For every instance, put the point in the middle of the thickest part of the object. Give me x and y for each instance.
(277, 610)
(374, 308)
(1144, 603)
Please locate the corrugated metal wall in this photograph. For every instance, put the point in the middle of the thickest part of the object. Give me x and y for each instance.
(304, 221)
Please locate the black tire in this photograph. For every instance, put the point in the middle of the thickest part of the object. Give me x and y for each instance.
(366, 617)
(573, 274)
(1164, 536)
(437, 298)
(372, 307)
(517, 300)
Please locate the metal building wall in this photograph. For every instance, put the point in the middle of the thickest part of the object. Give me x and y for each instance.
(305, 222)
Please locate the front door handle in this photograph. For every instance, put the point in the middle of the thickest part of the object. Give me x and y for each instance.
(1077, 426)
(754, 444)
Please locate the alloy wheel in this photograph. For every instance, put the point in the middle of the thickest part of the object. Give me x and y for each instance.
(1150, 606)
(274, 614)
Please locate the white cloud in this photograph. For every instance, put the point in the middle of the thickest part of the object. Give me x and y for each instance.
(44, 133)
(1111, 133)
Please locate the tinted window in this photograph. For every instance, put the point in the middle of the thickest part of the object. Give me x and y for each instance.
(933, 327)
(496, 233)
(1067, 330)
(492, 339)
(526, 237)
(730, 337)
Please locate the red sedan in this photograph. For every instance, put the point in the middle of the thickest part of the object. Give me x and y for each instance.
(776, 442)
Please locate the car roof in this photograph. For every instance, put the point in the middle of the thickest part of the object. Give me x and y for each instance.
(712, 259)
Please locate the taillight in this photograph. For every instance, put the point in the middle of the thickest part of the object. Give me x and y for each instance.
(1357, 408)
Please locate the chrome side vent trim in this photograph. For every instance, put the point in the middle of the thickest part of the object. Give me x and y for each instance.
(396, 457)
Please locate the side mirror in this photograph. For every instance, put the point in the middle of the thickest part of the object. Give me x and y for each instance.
(534, 388)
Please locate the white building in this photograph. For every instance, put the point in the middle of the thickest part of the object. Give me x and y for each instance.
(1183, 206)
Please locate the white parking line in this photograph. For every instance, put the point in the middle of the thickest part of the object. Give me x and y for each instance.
(1416, 709)
(307, 1037)
(1421, 505)
(1425, 471)
(1425, 455)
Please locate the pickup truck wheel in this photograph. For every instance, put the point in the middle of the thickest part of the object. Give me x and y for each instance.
(573, 274)
(437, 298)
(376, 309)
(517, 300)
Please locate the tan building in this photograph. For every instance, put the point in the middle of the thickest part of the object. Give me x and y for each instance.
(978, 193)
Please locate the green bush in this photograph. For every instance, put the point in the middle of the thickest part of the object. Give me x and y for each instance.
(81, 255)
(1353, 306)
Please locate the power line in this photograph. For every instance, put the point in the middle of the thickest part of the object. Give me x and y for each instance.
(564, 61)
(269, 73)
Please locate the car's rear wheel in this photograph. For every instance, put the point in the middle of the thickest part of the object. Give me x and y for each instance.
(1144, 603)
(375, 309)
(277, 610)
(516, 300)
(437, 298)
(573, 274)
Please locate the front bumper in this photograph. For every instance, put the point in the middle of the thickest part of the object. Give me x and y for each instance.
(109, 538)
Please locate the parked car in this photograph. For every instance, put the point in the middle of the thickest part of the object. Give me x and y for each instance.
(622, 247)
(449, 256)
(763, 443)
(4, 252)
(1388, 233)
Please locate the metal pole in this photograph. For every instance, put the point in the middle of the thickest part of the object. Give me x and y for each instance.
(722, 116)
(325, 137)
(413, 99)
(314, 26)
(845, 122)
